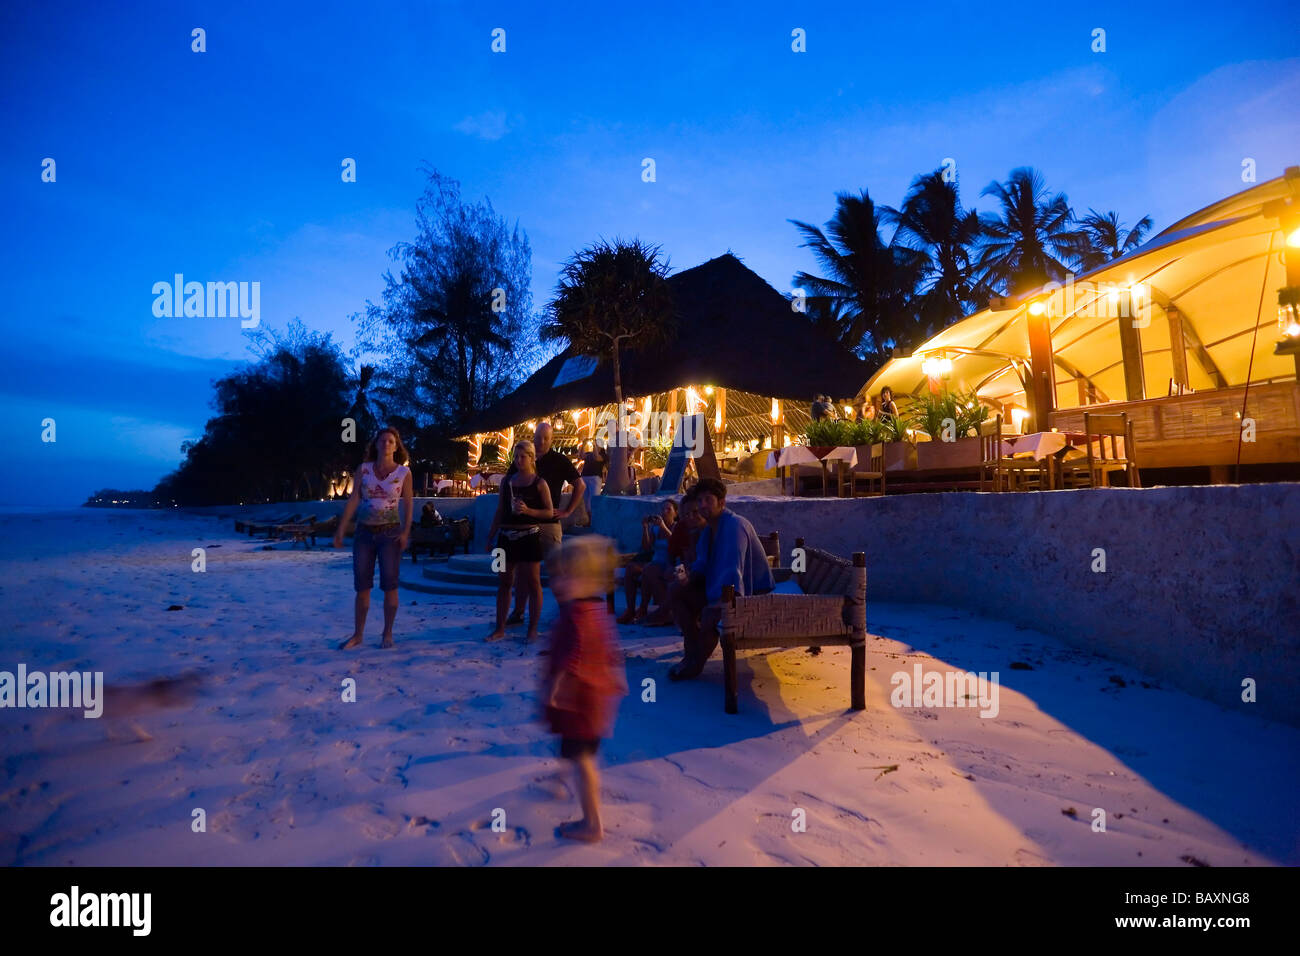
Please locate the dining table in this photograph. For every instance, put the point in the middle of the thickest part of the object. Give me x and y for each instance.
(792, 455)
(1051, 447)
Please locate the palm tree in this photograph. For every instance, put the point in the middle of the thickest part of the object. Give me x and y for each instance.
(612, 296)
(933, 222)
(871, 278)
(1104, 238)
(1029, 242)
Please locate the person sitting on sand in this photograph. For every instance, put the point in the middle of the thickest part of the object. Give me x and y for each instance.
(525, 502)
(382, 501)
(728, 552)
(584, 678)
(651, 563)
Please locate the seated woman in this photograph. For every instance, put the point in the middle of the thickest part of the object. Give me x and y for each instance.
(650, 564)
(429, 517)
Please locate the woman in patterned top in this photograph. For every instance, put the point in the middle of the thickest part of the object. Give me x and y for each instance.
(382, 501)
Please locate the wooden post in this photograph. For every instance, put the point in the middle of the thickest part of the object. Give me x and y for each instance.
(1177, 345)
(1041, 388)
(1130, 347)
(858, 614)
(720, 416)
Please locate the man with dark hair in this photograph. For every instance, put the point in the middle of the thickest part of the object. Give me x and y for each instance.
(728, 552)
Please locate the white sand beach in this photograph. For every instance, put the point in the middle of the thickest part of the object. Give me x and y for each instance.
(444, 733)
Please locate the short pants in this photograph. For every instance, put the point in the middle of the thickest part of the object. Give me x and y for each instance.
(571, 748)
(526, 549)
(370, 543)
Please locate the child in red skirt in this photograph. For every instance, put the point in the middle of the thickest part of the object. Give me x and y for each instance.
(585, 678)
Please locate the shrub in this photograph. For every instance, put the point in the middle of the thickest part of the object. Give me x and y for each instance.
(929, 412)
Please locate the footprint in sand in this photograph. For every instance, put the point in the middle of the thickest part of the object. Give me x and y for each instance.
(466, 852)
(1025, 857)
(509, 835)
(375, 823)
(549, 787)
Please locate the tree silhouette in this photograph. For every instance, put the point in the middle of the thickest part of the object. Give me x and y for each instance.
(932, 221)
(610, 297)
(1105, 238)
(872, 279)
(1030, 240)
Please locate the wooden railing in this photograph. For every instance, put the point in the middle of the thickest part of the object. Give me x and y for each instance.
(1203, 428)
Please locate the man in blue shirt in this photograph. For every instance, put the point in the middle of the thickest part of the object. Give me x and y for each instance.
(728, 552)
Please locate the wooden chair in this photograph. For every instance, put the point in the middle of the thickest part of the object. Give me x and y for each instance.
(1001, 472)
(870, 469)
(831, 610)
(254, 527)
(1102, 434)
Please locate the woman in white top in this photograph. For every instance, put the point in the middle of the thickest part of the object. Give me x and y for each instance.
(382, 501)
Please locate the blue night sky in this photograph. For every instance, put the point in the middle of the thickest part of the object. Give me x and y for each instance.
(225, 165)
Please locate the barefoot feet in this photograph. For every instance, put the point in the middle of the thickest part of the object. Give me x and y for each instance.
(580, 830)
(387, 641)
(351, 642)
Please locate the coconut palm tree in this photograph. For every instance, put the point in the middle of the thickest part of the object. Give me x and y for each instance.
(1104, 238)
(612, 296)
(1030, 240)
(873, 278)
(933, 222)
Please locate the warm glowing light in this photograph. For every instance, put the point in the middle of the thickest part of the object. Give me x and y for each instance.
(693, 401)
(939, 366)
(1037, 308)
(848, 409)
(1293, 240)
(708, 389)
(776, 411)
(647, 405)
(1018, 415)
(788, 443)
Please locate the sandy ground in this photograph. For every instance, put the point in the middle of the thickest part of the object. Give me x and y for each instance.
(443, 739)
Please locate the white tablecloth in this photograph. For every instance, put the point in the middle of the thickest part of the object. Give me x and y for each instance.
(802, 455)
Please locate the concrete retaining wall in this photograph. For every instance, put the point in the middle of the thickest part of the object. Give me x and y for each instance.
(1201, 587)
(448, 507)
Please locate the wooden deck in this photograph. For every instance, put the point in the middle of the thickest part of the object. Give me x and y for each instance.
(1202, 429)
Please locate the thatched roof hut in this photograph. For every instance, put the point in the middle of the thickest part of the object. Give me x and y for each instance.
(735, 333)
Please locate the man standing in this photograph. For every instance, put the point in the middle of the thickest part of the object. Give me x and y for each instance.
(728, 552)
(555, 469)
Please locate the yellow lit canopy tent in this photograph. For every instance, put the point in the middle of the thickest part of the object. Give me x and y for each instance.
(741, 356)
(1202, 293)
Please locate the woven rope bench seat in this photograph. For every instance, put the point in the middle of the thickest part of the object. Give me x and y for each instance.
(831, 611)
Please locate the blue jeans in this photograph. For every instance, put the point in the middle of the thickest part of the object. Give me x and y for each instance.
(370, 543)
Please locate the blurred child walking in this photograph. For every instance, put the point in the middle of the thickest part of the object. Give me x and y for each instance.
(585, 679)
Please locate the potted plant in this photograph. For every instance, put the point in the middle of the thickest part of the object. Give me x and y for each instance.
(899, 444)
(951, 421)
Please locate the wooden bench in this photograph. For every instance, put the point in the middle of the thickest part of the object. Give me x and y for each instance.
(832, 610)
(440, 537)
